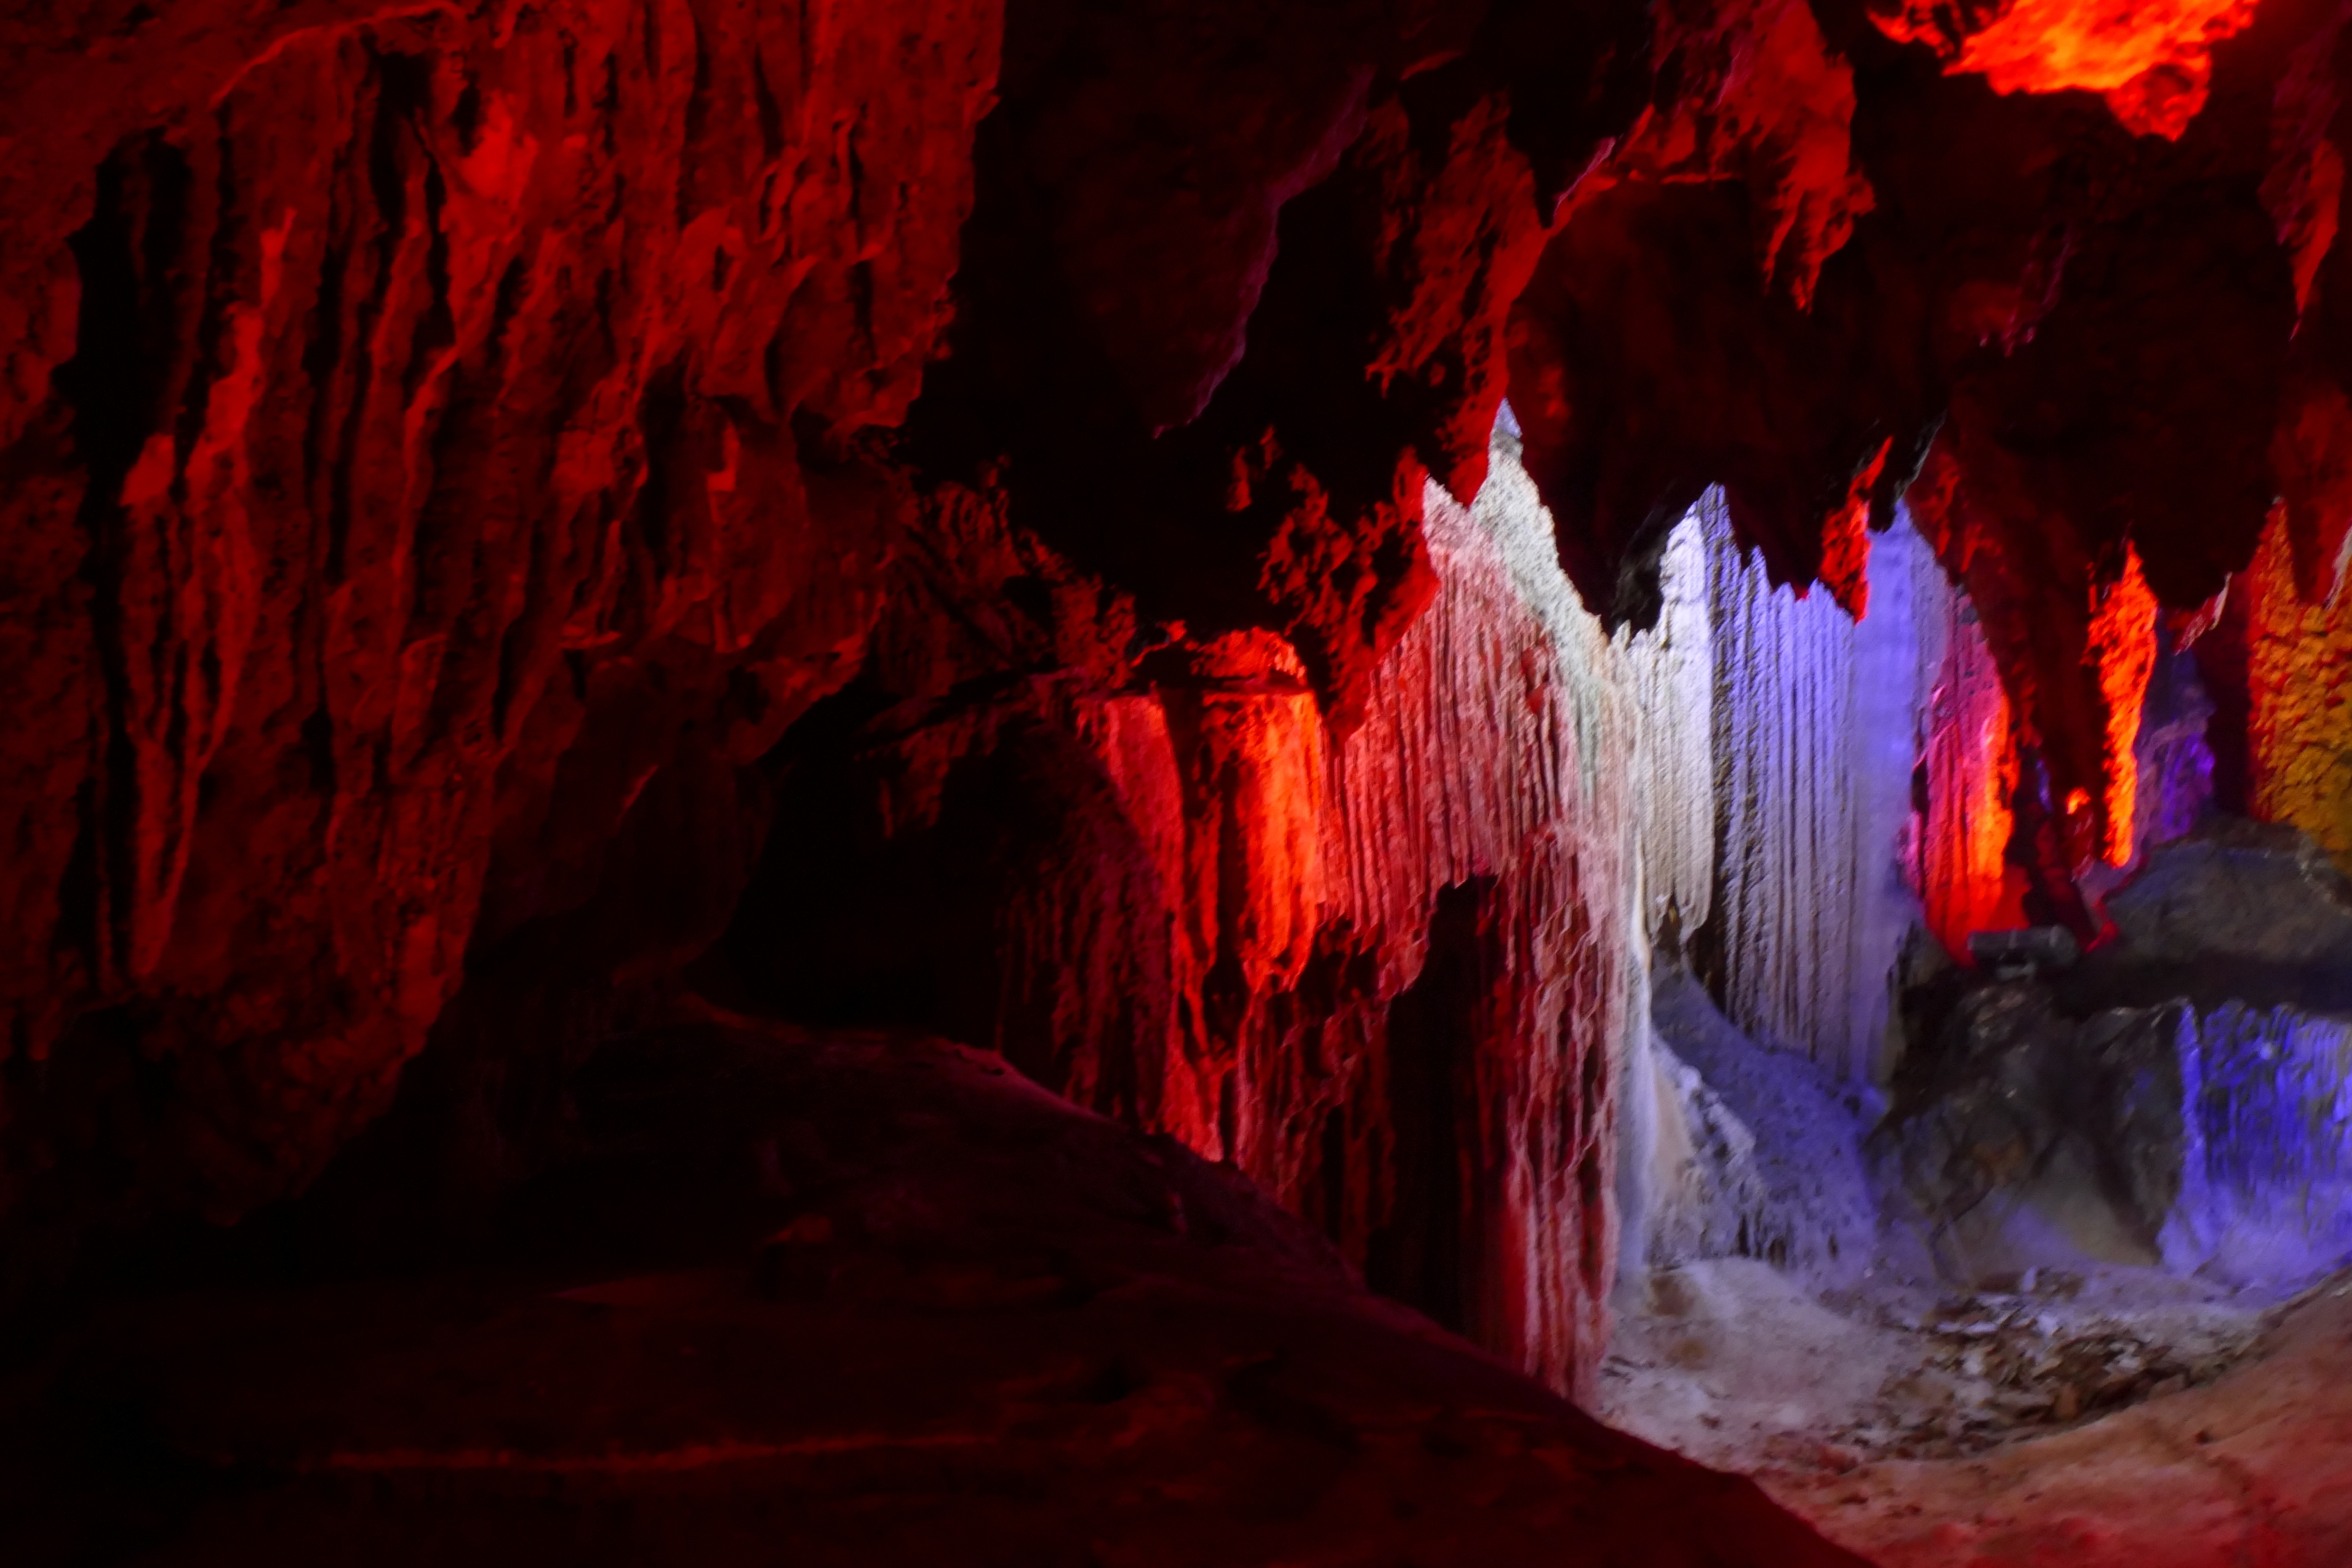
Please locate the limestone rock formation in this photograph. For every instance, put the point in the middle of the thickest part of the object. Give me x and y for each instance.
(1386, 974)
(427, 427)
(2175, 1099)
(983, 515)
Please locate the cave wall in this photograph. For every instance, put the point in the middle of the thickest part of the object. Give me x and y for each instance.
(491, 488)
(427, 428)
(1391, 974)
(447, 445)
(2292, 733)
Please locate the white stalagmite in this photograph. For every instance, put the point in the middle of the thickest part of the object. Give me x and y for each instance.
(1630, 770)
(1643, 702)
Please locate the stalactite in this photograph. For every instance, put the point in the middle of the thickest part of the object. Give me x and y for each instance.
(2172, 762)
(1673, 675)
(1963, 873)
(1815, 718)
(2151, 62)
(1397, 976)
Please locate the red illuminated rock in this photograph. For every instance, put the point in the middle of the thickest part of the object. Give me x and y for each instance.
(1380, 972)
(424, 420)
(1269, 461)
(447, 449)
(2152, 63)
(2076, 667)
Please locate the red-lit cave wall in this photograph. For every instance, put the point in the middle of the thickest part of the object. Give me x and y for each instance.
(450, 447)
(1387, 973)
(425, 427)
(487, 484)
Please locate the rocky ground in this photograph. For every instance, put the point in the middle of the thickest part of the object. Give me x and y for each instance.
(1733, 1362)
(2118, 1419)
(2252, 1467)
(828, 1300)
(2101, 1412)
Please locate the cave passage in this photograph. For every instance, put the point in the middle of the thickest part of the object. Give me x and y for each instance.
(1136, 783)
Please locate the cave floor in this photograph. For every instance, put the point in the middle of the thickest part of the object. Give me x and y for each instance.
(831, 1299)
(2121, 1419)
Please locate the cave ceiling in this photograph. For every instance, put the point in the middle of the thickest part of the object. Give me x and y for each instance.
(446, 444)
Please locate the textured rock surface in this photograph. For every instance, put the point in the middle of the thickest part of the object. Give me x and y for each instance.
(428, 429)
(2289, 657)
(844, 1299)
(2055, 321)
(2252, 1467)
(2234, 912)
(2151, 63)
(1389, 974)
(2028, 1139)
(443, 453)
(2178, 1098)
(1818, 719)
(485, 483)
(1774, 1170)
(1966, 880)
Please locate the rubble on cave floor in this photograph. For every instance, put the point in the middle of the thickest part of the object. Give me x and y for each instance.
(2111, 1417)
(2101, 1314)
(1736, 1365)
(2254, 1466)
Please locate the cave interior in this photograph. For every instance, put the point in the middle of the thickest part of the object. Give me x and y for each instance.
(1137, 783)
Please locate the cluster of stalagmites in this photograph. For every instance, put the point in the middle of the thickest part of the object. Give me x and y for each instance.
(948, 515)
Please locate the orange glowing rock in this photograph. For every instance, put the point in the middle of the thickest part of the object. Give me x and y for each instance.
(2298, 724)
(2151, 62)
(2122, 646)
(1964, 875)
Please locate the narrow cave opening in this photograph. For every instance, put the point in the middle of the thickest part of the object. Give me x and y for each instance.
(1417, 1254)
